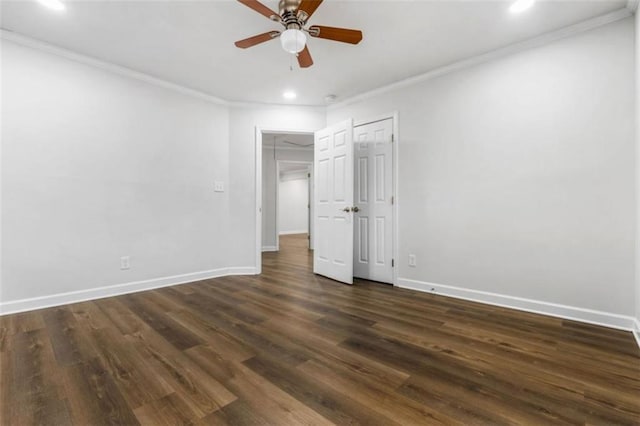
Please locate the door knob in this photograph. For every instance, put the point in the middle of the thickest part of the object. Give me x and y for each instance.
(355, 209)
(346, 209)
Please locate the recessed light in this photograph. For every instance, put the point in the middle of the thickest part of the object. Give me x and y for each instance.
(289, 94)
(53, 4)
(521, 5)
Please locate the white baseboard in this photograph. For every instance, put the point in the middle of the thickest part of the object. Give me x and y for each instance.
(304, 231)
(636, 330)
(605, 319)
(269, 248)
(24, 305)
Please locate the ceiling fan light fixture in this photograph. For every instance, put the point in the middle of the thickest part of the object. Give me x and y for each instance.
(293, 40)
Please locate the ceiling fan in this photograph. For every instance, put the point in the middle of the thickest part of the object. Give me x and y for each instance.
(293, 16)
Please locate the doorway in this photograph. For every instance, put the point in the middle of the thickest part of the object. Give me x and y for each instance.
(285, 161)
(355, 169)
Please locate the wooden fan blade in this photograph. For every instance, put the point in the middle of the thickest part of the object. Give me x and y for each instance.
(260, 8)
(304, 58)
(260, 38)
(309, 7)
(344, 35)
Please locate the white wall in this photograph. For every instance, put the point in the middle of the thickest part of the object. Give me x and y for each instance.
(269, 181)
(293, 217)
(96, 166)
(516, 176)
(243, 121)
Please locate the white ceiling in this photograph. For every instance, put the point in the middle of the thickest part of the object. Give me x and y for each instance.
(288, 141)
(191, 42)
(288, 168)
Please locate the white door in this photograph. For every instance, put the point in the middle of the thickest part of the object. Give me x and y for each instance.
(333, 202)
(373, 236)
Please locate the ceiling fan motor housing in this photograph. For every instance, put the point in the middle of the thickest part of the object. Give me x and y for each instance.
(289, 14)
(288, 5)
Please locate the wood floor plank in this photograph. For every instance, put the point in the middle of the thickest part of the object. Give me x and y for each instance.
(94, 399)
(203, 393)
(262, 396)
(158, 320)
(70, 343)
(335, 406)
(292, 348)
(169, 410)
(371, 393)
(138, 383)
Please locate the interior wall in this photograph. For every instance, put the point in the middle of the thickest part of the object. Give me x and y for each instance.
(97, 166)
(242, 154)
(516, 176)
(269, 182)
(293, 215)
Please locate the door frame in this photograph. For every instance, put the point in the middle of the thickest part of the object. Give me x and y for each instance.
(259, 132)
(308, 163)
(396, 198)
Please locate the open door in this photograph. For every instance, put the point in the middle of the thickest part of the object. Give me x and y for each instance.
(333, 202)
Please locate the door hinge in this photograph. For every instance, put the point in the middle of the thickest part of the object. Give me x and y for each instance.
(393, 263)
(393, 200)
(393, 137)
(308, 175)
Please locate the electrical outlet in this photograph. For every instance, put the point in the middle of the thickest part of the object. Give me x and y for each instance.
(218, 186)
(412, 260)
(125, 262)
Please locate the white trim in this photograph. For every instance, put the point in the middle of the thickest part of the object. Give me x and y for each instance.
(636, 331)
(24, 305)
(489, 56)
(269, 248)
(304, 231)
(258, 201)
(632, 5)
(396, 195)
(277, 201)
(606, 319)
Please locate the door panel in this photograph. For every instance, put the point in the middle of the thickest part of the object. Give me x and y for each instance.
(373, 196)
(334, 168)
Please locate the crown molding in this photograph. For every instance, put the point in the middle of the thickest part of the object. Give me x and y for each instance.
(565, 32)
(241, 104)
(492, 55)
(106, 66)
(128, 72)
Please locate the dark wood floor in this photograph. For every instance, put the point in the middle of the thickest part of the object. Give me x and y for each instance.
(288, 348)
